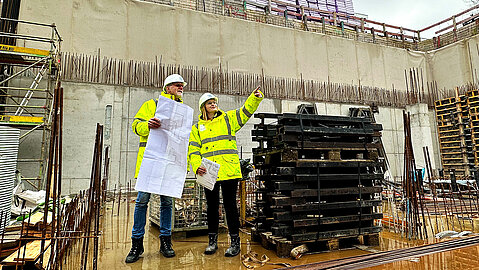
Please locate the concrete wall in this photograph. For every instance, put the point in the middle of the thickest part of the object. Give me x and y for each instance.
(454, 65)
(85, 105)
(142, 31)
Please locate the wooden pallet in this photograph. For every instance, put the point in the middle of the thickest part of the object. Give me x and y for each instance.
(283, 246)
(472, 93)
(446, 101)
(28, 253)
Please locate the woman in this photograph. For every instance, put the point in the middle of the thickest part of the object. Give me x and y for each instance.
(213, 137)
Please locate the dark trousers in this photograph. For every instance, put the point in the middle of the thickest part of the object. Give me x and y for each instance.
(228, 189)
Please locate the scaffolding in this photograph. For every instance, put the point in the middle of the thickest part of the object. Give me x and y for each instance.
(28, 76)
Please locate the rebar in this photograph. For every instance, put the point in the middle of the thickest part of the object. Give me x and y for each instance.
(93, 69)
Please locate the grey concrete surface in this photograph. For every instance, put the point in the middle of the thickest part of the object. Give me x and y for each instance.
(86, 104)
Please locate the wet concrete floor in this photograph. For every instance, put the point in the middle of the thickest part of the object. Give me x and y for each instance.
(115, 244)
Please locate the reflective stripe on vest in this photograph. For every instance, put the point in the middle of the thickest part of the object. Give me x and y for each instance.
(195, 153)
(218, 138)
(247, 112)
(238, 118)
(227, 120)
(195, 144)
(220, 152)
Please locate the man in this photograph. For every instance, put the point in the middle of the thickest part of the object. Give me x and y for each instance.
(143, 122)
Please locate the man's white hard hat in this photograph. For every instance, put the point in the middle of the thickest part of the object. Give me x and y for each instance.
(173, 78)
(205, 97)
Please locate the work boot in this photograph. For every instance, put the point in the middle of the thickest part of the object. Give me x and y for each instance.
(165, 246)
(135, 251)
(212, 244)
(235, 247)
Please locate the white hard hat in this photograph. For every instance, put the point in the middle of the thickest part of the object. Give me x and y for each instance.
(172, 79)
(205, 97)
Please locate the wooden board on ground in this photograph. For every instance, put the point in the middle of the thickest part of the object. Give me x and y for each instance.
(9, 242)
(38, 217)
(30, 253)
(46, 258)
(13, 228)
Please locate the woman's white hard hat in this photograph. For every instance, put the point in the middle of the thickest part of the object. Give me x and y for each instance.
(205, 97)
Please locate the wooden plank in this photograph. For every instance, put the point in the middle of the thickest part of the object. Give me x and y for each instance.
(328, 130)
(334, 205)
(337, 177)
(281, 230)
(340, 145)
(288, 185)
(335, 191)
(335, 220)
(293, 154)
(302, 139)
(267, 115)
(333, 234)
(287, 170)
(38, 217)
(46, 257)
(285, 201)
(282, 216)
(338, 164)
(326, 118)
(299, 177)
(31, 252)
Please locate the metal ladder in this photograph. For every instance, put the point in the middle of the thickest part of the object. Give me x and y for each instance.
(34, 86)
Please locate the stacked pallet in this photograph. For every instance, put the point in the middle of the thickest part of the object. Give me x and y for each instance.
(473, 103)
(458, 132)
(318, 176)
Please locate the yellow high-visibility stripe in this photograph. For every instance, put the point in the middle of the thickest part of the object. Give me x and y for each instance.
(25, 119)
(220, 152)
(38, 52)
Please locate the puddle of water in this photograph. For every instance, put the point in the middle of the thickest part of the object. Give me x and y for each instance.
(115, 244)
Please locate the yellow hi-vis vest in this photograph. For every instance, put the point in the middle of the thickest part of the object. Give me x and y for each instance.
(140, 125)
(215, 139)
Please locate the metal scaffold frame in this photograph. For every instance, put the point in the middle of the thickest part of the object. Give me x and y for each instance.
(29, 107)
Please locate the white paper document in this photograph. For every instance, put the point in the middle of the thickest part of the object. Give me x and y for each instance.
(208, 180)
(163, 169)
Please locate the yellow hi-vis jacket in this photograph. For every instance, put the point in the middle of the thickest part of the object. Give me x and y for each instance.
(140, 125)
(215, 139)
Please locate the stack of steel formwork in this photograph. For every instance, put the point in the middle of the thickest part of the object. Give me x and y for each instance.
(318, 176)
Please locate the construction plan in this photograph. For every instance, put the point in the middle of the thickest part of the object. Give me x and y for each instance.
(163, 170)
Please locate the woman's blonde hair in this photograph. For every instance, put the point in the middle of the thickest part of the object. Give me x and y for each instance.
(204, 115)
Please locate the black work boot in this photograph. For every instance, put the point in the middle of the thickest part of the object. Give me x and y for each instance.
(212, 244)
(135, 251)
(165, 246)
(235, 247)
